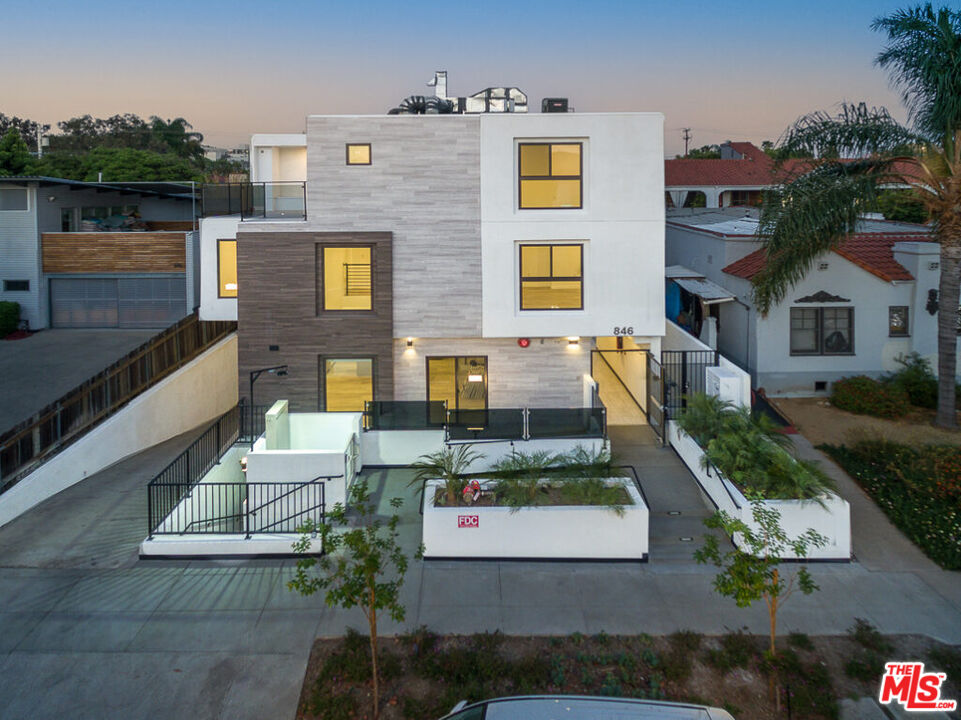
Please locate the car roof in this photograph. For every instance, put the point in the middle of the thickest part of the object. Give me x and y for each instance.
(583, 707)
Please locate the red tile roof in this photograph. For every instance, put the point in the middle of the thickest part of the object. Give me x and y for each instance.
(754, 169)
(870, 251)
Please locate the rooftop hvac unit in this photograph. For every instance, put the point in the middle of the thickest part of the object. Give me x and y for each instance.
(554, 105)
(489, 100)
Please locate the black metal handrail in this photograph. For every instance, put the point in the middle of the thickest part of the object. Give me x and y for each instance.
(32, 442)
(200, 509)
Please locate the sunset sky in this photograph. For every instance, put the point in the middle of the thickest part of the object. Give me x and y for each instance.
(739, 71)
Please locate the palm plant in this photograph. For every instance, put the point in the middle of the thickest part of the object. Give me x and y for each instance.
(821, 203)
(521, 476)
(450, 465)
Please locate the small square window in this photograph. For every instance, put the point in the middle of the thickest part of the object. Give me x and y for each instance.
(550, 175)
(898, 321)
(358, 154)
(552, 277)
(14, 199)
(16, 285)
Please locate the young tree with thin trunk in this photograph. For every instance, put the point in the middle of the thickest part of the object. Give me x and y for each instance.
(858, 152)
(751, 570)
(363, 566)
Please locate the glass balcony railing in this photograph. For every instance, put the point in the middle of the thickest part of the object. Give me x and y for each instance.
(405, 415)
(253, 201)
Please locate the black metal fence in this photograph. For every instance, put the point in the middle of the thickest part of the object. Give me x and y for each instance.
(684, 374)
(405, 415)
(253, 421)
(235, 508)
(168, 488)
(255, 200)
(28, 444)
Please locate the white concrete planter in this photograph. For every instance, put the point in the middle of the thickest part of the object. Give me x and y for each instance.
(548, 532)
(833, 520)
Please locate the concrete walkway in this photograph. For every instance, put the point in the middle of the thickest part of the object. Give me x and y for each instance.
(88, 630)
(37, 370)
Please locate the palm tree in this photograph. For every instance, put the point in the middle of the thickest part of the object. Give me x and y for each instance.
(174, 135)
(819, 204)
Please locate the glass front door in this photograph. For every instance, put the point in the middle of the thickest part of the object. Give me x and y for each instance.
(461, 381)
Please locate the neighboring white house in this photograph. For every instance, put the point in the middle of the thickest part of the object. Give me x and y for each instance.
(860, 308)
(468, 258)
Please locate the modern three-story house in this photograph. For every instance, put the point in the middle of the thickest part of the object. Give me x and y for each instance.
(471, 258)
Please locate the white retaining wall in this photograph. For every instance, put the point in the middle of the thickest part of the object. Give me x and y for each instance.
(833, 520)
(195, 394)
(557, 532)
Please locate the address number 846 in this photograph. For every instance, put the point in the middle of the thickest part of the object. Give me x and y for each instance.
(626, 330)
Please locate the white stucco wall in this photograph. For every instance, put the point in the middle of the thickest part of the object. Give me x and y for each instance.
(213, 229)
(557, 532)
(621, 223)
(196, 394)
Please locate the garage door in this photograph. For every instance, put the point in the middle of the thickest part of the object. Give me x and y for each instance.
(142, 302)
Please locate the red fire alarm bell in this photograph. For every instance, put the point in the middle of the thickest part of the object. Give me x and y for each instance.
(523, 342)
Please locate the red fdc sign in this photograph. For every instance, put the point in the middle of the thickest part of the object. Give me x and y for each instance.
(468, 521)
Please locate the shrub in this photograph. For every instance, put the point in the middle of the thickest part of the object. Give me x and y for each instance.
(750, 451)
(868, 636)
(867, 396)
(800, 640)
(9, 317)
(916, 379)
(919, 489)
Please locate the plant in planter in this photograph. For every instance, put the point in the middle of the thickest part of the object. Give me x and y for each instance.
(751, 452)
(450, 465)
(521, 478)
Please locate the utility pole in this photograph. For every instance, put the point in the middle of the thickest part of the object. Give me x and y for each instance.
(687, 139)
(39, 140)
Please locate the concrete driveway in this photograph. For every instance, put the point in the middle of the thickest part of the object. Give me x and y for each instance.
(88, 630)
(37, 370)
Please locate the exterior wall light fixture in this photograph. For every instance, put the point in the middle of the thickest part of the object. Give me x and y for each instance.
(574, 340)
(410, 342)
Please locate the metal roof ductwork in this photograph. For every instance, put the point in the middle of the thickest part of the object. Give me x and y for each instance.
(489, 100)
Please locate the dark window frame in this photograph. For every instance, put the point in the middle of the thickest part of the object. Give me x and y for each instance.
(370, 153)
(455, 358)
(26, 194)
(321, 247)
(220, 284)
(7, 286)
(819, 334)
(521, 177)
(551, 278)
(322, 371)
(907, 321)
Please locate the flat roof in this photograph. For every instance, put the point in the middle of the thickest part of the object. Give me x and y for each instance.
(743, 222)
(168, 190)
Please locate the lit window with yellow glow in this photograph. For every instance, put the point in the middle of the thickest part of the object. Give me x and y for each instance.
(348, 384)
(550, 176)
(227, 268)
(552, 277)
(358, 154)
(347, 278)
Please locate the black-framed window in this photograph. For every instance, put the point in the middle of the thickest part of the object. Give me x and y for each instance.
(898, 321)
(550, 176)
(347, 272)
(16, 286)
(348, 383)
(822, 331)
(552, 277)
(358, 154)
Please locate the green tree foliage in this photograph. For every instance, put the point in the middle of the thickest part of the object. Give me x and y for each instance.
(15, 157)
(859, 151)
(363, 565)
(751, 571)
(705, 152)
(902, 206)
(117, 165)
(27, 128)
